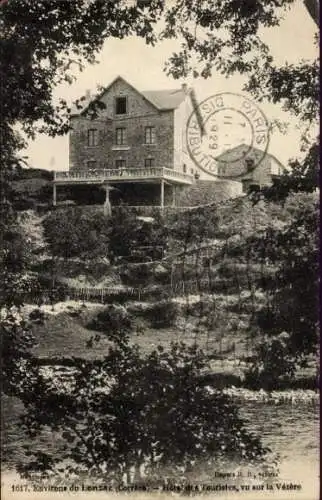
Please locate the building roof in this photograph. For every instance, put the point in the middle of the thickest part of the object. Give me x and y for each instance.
(160, 99)
(165, 99)
(235, 160)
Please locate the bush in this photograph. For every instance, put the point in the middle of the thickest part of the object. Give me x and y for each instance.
(128, 232)
(136, 274)
(162, 314)
(114, 321)
(273, 365)
(73, 233)
(194, 226)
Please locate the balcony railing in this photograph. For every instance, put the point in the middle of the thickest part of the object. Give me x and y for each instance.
(121, 174)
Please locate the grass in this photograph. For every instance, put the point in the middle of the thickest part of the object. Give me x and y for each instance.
(64, 333)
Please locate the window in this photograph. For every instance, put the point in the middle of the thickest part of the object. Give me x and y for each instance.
(120, 136)
(120, 163)
(91, 165)
(184, 168)
(120, 105)
(149, 135)
(92, 137)
(149, 162)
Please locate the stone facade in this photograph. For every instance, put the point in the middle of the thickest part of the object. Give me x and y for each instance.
(141, 114)
(208, 191)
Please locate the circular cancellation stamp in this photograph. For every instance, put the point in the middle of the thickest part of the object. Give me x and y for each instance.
(224, 129)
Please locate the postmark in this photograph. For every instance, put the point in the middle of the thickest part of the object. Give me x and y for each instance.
(227, 129)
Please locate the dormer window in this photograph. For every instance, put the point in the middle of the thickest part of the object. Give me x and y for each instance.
(250, 164)
(120, 105)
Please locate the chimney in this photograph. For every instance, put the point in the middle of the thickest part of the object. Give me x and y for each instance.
(184, 87)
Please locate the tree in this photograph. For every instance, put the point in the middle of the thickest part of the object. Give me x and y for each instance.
(216, 35)
(129, 232)
(75, 233)
(288, 322)
(304, 177)
(165, 421)
(15, 333)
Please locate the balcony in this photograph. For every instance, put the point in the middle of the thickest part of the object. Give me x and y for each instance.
(122, 175)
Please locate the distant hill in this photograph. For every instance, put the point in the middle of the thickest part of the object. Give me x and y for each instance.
(31, 187)
(34, 173)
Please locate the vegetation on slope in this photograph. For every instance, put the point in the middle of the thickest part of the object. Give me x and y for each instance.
(258, 292)
(80, 30)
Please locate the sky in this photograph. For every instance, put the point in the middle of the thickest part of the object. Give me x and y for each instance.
(142, 66)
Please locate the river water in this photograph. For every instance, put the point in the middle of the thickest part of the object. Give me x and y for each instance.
(290, 430)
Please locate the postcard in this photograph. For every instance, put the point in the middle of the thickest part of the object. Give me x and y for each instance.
(159, 249)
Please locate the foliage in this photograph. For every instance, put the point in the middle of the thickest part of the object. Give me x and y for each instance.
(136, 275)
(294, 305)
(129, 232)
(42, 41)
(71, 232)
(114, 321)
(30, 187)
(292, 308)
(274, 363)
(15, 333)
(64, 35)
(15, 257)
(165, 417)
(193, 227)
(162, 314)
(16, 341)
(304, 177)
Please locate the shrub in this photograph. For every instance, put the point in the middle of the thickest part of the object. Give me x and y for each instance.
(162, 314)
(128, 232)
(136, 274)
(72, 233)
(273, 364)
(114, 321)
